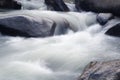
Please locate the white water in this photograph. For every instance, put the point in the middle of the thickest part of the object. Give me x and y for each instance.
(32, 4)
(39, 5)
(55, 58)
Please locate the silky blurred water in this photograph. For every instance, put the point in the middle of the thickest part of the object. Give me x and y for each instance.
(59, 57)
(54, 58)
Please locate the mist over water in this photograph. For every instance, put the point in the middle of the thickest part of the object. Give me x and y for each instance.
(59, 57)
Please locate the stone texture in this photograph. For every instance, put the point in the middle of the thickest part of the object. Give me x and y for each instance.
(108, 70)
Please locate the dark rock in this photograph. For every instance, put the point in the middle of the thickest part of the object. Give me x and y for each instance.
(77, 5)
(34, 23)
(103, 18)
(26, 26)
(9, 4)
(57, 5)
(109, 70)
(99, 6)
(114, 31)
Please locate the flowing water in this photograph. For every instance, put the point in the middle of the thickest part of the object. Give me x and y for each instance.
(55, 58)
(32, 4)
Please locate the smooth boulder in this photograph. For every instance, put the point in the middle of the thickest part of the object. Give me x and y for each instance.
(33, 24)
(114, 31)
(108, 70)
(99, 6)
(103, 18)
(26, 26)
(36, 23)
(56, 5)
(9, 4)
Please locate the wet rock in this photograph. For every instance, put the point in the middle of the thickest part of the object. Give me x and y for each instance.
(26, 26)
(57, 5)
(99, 6)
(103, 18)
(77, 5)
(114, 31)
(108, 70)
(34, 23)
(9, 4)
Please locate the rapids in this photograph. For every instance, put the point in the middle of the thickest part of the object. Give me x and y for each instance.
(55, 58)
(32, 4)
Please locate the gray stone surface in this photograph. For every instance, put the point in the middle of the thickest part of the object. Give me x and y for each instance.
(108, 70)
(26, 26)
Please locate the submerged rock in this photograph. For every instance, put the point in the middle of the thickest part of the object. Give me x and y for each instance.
(57, 5)
(9, 4)
(99, 6)
(109, 70)
(114, 31)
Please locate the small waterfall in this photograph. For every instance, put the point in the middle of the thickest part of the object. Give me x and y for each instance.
(32, 4)
(39, 5)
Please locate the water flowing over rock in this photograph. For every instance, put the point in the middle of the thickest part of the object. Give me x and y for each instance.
(57, 5)
(31, 25)
(109, 70)
(99, 6)
(44, 23)
(9, 4)
(66, 41)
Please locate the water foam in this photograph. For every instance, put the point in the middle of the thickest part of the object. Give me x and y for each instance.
(54, 58)
(32, 4)
(58, 57)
